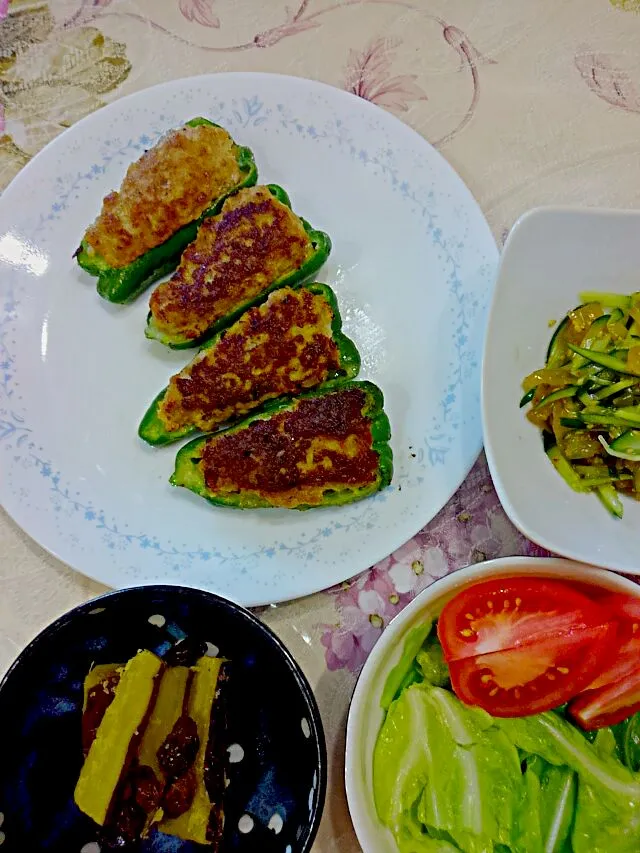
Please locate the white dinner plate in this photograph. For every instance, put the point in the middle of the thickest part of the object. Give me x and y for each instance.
(412, 266)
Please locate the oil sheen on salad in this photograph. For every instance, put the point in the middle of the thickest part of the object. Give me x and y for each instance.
(586, 398)
(512, 726)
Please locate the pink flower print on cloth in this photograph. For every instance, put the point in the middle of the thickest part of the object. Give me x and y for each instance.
(369, 76)
(200, 12)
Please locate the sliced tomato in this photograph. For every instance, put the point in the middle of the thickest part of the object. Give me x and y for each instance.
(614, 694)
(625, 607)
(608, 705)
(508, 613)
(537, 677)
(626, 611)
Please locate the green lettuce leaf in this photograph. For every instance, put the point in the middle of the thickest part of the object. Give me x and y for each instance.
(607, 812)
(398, 677)
(605, 822)
(605, 744)
(559, 743)
(457, 765)
(425, 844)
(558, 788)
(401, 759)
(627, 735)
(414, 838)
(430, 660)
(527, 833)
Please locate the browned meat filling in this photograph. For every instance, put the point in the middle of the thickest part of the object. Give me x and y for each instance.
(292, 457)
(278, 349)
(254, 241)
(168, 187)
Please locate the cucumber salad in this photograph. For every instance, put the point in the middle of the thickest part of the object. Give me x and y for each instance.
(586, 399)
(511, 724)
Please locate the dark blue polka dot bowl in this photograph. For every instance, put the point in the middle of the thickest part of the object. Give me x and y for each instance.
(274, 753)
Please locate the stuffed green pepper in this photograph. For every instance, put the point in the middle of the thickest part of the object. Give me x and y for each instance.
(325, 448)
(255, 245)
(291, 343)
(144, 227)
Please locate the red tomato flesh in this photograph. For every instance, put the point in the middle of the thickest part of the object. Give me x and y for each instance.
(607, 706)
(626, 607)
(509, 613)
(536, 677)
(614, 694)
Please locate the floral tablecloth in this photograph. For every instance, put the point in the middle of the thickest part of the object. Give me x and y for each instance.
(532, 102)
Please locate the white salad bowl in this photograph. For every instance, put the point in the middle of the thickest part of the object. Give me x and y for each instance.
(366, 714)
(550, 257)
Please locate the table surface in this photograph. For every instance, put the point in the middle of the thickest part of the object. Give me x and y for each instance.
(532, 103)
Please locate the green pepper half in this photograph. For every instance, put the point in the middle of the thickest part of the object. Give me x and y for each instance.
(188, 472)
(321, 250)
(124, 284)
(152, 428)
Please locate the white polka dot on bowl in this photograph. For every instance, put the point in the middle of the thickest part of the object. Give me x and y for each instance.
(212, 650)
(276, 823)
(245, 824)
(236, 753)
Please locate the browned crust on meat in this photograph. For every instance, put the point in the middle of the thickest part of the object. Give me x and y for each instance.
(293, 457)
(169, 186)
(254, 241)
(278, 349)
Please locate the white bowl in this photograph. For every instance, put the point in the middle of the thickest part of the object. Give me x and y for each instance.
(366, 715)
(551, 256)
